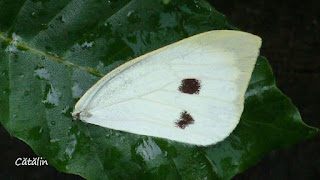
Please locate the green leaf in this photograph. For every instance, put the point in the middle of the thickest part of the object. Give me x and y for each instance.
(51, 52)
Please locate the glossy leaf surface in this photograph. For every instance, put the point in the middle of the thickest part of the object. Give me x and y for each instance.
(52, 51)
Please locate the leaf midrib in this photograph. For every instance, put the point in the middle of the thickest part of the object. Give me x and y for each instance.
(49, 56)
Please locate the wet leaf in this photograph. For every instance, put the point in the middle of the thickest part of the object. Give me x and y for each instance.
(51, 52)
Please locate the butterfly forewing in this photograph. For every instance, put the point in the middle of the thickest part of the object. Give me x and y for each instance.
(191, 91)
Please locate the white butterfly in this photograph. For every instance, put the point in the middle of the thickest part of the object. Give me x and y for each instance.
(191, 91)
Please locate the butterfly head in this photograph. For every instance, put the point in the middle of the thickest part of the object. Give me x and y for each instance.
(75, 116)
(80, 115)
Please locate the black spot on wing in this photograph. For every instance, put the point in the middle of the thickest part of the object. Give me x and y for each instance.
(190, 86)
(185, 120)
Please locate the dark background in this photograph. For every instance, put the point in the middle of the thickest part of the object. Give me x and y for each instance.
(291, 41)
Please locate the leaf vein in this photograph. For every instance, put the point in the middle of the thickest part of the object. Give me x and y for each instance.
(15, 19)
(58, 59)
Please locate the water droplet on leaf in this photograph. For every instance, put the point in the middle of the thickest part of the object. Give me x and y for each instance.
(44, 26)
(4, 72)
(76, 91)
(52, 97)
(148, 149)
(54, 140)
(41, 73)
(87, 44)
(35, 133)
(132, 16)
(70, 147)
(62, 19)
(6, 91)
(33, 14)
(66, 111)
